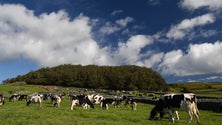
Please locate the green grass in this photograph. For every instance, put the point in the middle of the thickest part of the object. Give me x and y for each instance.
(17, 113)
(200, 89)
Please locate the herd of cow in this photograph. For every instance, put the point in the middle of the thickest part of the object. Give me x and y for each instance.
(168, 103)
(84, 100)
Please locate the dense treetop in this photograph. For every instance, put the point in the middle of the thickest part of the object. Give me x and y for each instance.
(99, 77)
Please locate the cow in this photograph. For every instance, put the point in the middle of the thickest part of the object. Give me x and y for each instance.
(57, 101)
(13, 97)
(97, 99)
(82, 100)
(2, 100)
(105, 102)
(170, 103)
(117, 101)
(35, 99)
(129, 100)
(21, 97)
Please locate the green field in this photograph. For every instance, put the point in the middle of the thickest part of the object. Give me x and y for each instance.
(200, 89)
(17, 113)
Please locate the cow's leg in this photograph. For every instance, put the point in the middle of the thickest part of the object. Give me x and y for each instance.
(58, 104)
(195, 111)
(72, 104)
(190, 116)
(107, 106)
(177, 115)
(133, 105)
(40, 104)
(171, 118)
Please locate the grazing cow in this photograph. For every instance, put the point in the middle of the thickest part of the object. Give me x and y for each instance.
(117, 101)
(21, 97)
(129, 100)
(13, 97)
(105, 102)
(170, 103)
(97, 99)
(35, 99)
(2, 100)
(81, 100)
(57, 101)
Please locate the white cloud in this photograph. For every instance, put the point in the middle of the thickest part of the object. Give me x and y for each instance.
(115, 12)
(208, 33)
(212, 77)
(49, 39)
(120, 24)
(200, 59)
(186, 26)
(124, 22)
(196, 4)
(129, 52)
(152, 60)
(109, 28)
(53, 39)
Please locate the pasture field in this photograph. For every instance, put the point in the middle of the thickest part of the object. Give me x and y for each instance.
(200, 89)
(17, 113)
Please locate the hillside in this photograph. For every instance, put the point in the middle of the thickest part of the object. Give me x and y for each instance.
(213, 89)
(92, 76)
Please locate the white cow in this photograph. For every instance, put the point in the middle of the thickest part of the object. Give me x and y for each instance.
(35, 99)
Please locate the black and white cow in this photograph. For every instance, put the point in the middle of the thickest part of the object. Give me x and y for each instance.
(13, 97)
(170, 103)
(82, 100)
(57, 101)
(35, 99)
(105, 103)
(2, 100)
(117, 101)
(130, 100)
(97, 99)
(21, 97)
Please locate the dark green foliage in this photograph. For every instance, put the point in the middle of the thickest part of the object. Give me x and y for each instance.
(100, 77)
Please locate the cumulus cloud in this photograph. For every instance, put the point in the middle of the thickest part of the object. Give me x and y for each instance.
(186, 26)
(199, 59)
(152, 59)
(196, 4)
(120, 24)
(53, 38)
(180, 30)
(49, 39)
(129, 52)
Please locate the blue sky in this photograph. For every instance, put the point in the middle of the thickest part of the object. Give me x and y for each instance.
(180, 39)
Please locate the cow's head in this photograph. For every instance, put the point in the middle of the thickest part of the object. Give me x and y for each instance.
(28, 102)
(153, 114)
(159, 108)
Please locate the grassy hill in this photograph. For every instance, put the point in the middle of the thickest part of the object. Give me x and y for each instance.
(199, 88)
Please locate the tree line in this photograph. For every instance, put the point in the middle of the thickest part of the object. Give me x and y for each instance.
(98, 77)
